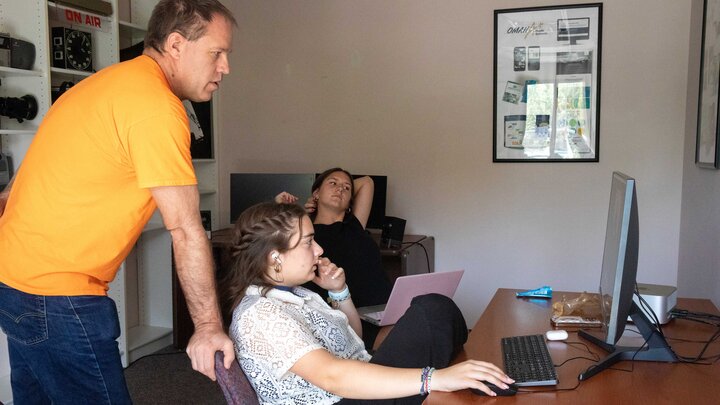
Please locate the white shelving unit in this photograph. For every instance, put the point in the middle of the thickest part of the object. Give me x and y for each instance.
(142, 288)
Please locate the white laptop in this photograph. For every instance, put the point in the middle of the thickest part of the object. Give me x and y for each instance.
(405, 289)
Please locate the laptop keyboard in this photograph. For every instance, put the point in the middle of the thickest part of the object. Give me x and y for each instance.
(375, 315)
(527, 360)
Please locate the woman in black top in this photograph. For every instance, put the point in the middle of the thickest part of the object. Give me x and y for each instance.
(340, 207)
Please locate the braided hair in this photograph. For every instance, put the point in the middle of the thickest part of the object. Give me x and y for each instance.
(258, 231)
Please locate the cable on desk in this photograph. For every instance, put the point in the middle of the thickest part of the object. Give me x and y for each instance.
(427, 256)
(704, 318)
(699, 359)
(685, 314)
(587, 349)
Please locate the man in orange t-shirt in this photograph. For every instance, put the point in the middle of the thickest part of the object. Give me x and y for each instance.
(108, 152)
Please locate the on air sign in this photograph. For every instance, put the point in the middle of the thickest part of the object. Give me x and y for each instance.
(80, 18)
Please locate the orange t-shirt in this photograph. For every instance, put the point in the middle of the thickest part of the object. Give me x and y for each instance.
(81, 196)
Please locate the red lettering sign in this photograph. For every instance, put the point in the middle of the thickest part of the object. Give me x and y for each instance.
(89, 20)
(73, 16)
(92, 21)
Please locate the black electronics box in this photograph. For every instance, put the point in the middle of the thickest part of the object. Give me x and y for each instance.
(71, 49)
(393, 230)
(16, 53)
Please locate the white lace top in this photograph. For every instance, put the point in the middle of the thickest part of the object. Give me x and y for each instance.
(271, 333)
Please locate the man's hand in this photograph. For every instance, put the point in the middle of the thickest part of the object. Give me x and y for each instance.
(203, 344)
(180, 209)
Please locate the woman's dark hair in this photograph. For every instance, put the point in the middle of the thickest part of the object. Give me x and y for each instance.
(324, 175)
(258, 231)
(189, 18)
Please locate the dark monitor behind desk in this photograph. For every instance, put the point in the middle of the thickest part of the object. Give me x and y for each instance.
(248, 189)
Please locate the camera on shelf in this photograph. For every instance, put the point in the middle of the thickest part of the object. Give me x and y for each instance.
(22, 108)
(16, 53)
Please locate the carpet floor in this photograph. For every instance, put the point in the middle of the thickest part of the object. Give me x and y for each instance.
(167, 377)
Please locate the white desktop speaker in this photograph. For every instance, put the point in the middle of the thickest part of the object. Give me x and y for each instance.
(661, 298)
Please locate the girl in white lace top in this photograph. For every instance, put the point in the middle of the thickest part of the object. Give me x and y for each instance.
(296, 349)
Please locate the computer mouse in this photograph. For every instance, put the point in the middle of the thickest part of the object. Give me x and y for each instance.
(556, 334)
(511, 390)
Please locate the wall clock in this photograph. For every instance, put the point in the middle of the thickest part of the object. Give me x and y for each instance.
(72, 49)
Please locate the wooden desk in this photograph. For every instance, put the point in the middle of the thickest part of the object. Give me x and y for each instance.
(649, 382)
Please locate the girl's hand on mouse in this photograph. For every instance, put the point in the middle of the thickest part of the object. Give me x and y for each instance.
(469, 374)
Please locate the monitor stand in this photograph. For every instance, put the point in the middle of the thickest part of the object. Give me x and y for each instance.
(655, 349)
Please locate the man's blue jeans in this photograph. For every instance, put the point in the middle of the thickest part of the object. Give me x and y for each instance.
(63, 350)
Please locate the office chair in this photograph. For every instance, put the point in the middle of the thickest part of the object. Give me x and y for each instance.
(234, 384)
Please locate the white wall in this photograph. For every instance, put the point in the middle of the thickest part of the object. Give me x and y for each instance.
(700, 228)
(404, 88)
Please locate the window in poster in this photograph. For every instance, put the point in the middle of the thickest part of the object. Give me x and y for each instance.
(572, 29)
(547, 84)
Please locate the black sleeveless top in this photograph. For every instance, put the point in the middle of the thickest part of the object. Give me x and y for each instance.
(349, 245)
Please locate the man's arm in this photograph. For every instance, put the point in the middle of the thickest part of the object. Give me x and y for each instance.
(4, 195)
(180, 209)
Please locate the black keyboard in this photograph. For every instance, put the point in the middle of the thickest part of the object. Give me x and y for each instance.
(527, 361)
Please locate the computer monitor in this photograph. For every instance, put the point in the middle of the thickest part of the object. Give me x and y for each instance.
(247, 189)
(618, 284)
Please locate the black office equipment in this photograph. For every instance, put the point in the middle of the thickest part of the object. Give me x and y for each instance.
(618, 284)
(501, 392)
(16, 53)
(247, 189)
(19, 108)
(527, 361)
(393, 230)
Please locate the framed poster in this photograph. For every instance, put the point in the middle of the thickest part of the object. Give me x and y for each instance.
(706, 144)
(546, 74)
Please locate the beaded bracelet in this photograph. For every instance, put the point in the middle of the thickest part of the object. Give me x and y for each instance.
(425, 377)
(340, 296)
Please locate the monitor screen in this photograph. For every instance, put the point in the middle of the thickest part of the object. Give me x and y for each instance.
(248, 189)
(620, 257)
(618, 285)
